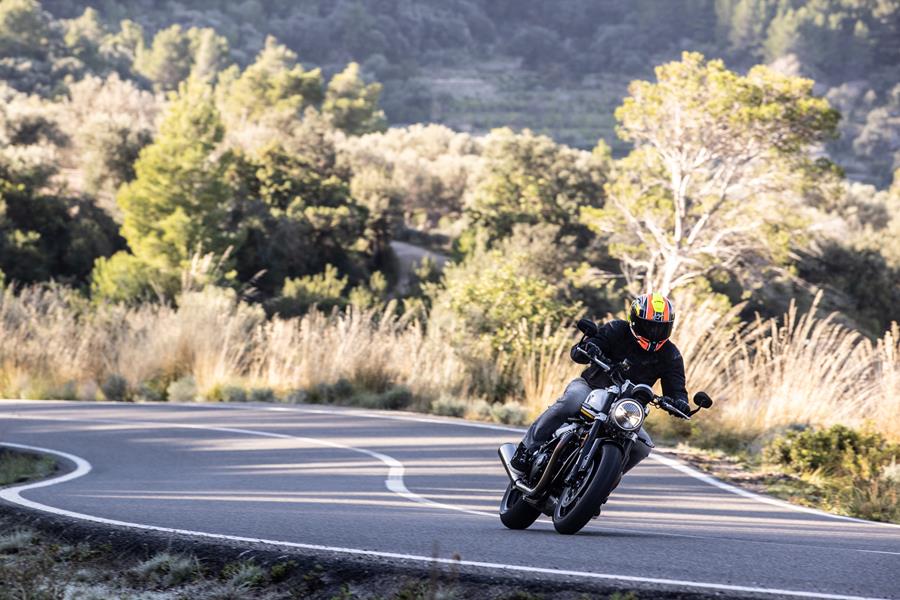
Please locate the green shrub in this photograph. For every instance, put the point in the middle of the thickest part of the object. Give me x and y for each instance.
(395, 398)
(153, 390)
(227, 393)
(115, 388)
(329, 393)
(837, 452)
(262, 395)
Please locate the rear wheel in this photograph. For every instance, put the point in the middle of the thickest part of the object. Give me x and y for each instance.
(579, 502)
(514, 511)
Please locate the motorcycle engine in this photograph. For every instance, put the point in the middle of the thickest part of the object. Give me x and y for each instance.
(537, 465)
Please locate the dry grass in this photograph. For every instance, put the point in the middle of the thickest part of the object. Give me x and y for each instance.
(802, 369)
(764, 375)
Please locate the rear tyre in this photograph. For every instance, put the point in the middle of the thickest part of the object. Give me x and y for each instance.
(515, 513)
(579, 503)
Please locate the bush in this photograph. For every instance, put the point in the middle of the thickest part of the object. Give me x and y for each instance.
(115, 388)
(329, 393)
(262, 395)
(395, 398)
(182, 390)
(449, 407)
(836, 452)
(227, 393)
(510, 413)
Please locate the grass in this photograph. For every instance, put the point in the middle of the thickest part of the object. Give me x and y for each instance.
(18, 467)
(39, 565)
(766, 376)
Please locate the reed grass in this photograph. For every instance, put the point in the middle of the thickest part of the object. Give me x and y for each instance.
(765, 375)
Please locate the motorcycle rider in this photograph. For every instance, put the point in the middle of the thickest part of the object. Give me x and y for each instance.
(644, 340)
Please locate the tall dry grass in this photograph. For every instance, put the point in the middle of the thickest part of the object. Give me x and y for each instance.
(802, 369)
(50, 347)
(764, 375)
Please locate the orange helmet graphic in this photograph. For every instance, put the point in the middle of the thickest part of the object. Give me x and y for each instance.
(651, 318)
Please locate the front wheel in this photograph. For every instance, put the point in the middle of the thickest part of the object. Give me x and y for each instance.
(579, 502)
(514, 511)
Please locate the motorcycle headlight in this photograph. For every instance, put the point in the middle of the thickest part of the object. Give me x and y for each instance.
(628, 414)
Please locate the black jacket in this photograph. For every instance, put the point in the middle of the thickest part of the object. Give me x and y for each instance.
(616, 342)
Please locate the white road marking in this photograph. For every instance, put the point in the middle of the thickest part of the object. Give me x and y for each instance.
(396, 469)
(663, 460)
(83, 467)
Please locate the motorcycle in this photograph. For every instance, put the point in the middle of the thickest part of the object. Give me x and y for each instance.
(573, 474)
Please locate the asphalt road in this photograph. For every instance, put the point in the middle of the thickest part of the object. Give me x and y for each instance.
(386, 484)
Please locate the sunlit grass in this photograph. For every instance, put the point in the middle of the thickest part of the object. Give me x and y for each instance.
(805, 368)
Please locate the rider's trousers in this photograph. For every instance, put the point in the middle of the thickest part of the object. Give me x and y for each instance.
(569, 405)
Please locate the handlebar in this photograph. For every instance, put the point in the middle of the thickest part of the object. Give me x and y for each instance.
(614, 371)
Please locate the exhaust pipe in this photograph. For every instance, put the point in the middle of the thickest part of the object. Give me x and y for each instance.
(506, 452)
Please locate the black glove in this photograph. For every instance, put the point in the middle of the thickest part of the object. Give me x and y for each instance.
(593, 350)
(680, 405)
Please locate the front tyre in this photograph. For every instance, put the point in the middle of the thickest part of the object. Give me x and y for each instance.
(579, 502)
(514, 511)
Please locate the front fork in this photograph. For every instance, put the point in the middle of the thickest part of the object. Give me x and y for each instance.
(591, 446)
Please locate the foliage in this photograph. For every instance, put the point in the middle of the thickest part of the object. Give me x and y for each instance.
(274, 83)
(838, 451)
(352, 104)
(706, 140)
(44, 236)
(487, 297)
(527, 178)
(325, 290)
(847, 470)
(178, 201)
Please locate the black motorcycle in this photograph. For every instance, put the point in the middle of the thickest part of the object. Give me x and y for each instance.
(573, 474)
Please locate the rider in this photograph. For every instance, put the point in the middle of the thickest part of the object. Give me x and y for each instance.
(643, 341)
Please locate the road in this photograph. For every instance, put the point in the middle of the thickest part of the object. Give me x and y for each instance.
(387, 484)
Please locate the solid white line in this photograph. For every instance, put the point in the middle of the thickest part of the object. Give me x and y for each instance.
(83, 467)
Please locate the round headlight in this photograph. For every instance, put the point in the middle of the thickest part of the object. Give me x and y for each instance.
(628, 415)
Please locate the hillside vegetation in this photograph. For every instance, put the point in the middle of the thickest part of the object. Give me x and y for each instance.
(198, 201)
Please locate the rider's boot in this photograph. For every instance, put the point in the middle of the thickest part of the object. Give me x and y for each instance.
(521, 460)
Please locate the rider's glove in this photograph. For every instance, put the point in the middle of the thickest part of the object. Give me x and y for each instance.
(680, 405)
(592, 349)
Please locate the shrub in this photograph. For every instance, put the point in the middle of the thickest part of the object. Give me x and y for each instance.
(329, 393)
(837, 452)
(509, 413)
(262, 395)
(227, 393)
(115, 388)
(166, 570)
(449, 407)
(395, 398)
(182, 390)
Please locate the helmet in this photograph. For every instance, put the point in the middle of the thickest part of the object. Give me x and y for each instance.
(651, 318)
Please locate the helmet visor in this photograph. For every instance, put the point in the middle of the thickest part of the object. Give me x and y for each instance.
(654, 331)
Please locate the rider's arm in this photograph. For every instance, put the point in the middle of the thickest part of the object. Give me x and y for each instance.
(673, 380)
(601, 340)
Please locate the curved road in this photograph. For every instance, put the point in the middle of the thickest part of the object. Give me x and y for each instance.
(388, 484)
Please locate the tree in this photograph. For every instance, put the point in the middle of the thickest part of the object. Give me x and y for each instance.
(274, 83)
(528, 178)
(353, 105)
(24, 28)
(719, 165)
(179, 201)
(168, 60)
